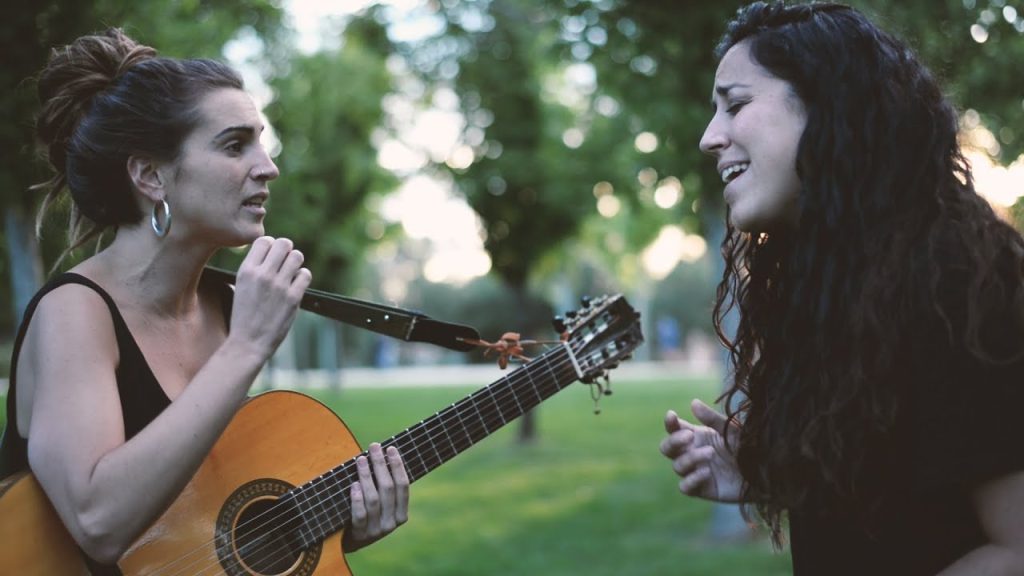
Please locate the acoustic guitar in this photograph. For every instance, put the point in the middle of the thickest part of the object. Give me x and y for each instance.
(257, 506)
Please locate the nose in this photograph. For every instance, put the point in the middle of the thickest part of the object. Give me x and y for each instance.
(714, 139)
(266, 169)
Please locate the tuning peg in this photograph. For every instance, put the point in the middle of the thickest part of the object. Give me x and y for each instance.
(585, 301)
(570, 315)
(559, 323)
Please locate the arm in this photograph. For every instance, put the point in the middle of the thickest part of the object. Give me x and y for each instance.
(999, 504)
(106, 490)
(700, 457)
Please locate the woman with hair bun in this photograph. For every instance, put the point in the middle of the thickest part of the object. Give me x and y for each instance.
(127, 368)
(878, 364)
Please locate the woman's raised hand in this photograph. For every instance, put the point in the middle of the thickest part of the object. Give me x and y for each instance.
(269, 286)
(699, 454)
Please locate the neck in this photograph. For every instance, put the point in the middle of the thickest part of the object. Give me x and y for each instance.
(158, 275)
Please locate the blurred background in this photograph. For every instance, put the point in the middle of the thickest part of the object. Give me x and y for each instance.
(489, 163)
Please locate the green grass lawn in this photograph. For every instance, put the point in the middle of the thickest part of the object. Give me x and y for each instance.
(592, 496)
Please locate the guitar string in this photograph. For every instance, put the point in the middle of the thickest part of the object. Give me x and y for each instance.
(414, 457)
(346, 473)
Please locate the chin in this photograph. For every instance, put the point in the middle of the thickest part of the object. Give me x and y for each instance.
(245, 236)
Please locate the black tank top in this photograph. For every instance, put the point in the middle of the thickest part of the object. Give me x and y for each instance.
(142, 398)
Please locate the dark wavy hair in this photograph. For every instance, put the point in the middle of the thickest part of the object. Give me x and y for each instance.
(103, 98)
(893, 244)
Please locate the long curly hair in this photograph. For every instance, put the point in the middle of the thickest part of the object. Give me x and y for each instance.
(893, 244)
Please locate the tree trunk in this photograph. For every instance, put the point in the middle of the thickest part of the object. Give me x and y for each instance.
(528, 422)
(26, 272)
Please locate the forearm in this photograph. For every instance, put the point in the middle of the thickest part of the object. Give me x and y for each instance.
(131, 485)
(988, 560)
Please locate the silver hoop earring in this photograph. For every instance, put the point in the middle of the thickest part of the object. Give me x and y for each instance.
(154, 220)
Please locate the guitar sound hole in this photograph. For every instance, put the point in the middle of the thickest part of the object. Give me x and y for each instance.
(260, 543)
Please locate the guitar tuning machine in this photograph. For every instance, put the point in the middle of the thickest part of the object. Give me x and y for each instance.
(597, 389)
(558, 323)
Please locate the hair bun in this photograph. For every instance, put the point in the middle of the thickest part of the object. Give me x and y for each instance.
(73, 76)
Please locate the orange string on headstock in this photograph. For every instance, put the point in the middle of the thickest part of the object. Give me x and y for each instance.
(511, 346)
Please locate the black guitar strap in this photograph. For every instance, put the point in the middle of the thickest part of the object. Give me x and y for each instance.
(407, 325)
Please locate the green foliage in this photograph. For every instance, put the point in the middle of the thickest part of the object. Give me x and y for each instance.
(326, 108)
(523, 185)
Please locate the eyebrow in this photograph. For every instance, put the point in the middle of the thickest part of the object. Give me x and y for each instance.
(244, 128)
(723, 91)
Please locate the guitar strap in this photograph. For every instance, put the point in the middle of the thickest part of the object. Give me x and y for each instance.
(407, 325)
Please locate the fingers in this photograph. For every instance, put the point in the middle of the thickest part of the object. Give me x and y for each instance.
(708, 416)
(672, 422)
(385, 489)
(370, 497)
(274, 256)
(680, 435)
(380, 499)
(401, 478)
(691, 460)
(359, 522)
(693, 484)
(673, 444)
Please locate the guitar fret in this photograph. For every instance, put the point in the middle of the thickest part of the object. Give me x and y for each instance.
(444, 429)
(515, 397)
(439, 421)
(322, 515)
(335, 497)
(430, 440)
(415, 455)
(554, 377)
(458, 414)
(483, 422)
(533, 386)
(497, 407)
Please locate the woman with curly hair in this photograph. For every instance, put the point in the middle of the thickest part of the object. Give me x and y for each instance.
(128, 368)
(878, 364)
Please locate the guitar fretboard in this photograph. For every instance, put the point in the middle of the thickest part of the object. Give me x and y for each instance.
(323, 504)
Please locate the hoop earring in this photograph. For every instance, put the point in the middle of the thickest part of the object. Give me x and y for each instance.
(154, 220)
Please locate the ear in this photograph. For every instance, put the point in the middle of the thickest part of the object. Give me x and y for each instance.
(145, 177)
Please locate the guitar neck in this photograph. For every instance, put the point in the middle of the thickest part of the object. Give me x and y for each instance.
(322, 505)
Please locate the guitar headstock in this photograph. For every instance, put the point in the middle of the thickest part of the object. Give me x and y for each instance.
(601, 334)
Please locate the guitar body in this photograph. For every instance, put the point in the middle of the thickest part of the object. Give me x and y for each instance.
(32, 538)
(276, 441)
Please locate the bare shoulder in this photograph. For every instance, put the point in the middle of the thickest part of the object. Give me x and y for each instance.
(71, 313)
(70, 349)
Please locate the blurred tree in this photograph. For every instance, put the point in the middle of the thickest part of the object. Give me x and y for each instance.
(326, 109)
(516, 176)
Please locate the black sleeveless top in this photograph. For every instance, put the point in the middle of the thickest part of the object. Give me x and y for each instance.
(142, 398)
